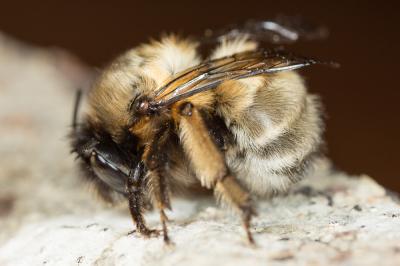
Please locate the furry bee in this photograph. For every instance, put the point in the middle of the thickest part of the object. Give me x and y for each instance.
(161, 120)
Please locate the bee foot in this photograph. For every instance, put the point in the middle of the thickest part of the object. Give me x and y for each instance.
(151, 233)
(147, 233)
(131, 232)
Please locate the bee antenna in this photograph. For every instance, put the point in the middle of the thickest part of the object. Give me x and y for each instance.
(78, 97)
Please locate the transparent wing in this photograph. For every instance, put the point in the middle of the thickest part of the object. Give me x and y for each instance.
(281, 30)
(210, 74)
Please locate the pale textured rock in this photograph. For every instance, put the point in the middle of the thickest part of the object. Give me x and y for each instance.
(48, 218)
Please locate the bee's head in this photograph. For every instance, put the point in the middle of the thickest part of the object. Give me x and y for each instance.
(105, 162)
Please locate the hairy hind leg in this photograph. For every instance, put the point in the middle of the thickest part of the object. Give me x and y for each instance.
(209, 164)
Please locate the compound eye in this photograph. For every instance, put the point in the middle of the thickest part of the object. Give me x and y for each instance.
(108, 172)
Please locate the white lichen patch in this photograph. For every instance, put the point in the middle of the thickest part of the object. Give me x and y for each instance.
(330, 219)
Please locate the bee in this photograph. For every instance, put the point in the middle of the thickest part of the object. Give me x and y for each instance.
(163, 120)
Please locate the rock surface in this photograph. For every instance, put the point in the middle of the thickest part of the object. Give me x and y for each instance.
(48, 217)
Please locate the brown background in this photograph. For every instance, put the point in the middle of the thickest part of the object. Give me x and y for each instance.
(362, 97)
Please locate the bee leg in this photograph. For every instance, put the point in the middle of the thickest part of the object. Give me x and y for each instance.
(134, 187)
(229, 190)
(161, 198)
(209, 164)
(155, 159)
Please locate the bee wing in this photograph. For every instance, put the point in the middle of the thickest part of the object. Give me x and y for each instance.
(281, 30)
(210, 74)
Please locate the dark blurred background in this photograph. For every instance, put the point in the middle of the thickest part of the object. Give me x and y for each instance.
(361, 98)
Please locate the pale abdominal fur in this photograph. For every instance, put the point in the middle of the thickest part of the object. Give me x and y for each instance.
(275, 123)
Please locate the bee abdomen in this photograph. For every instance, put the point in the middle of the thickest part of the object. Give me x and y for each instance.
(272, 166)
